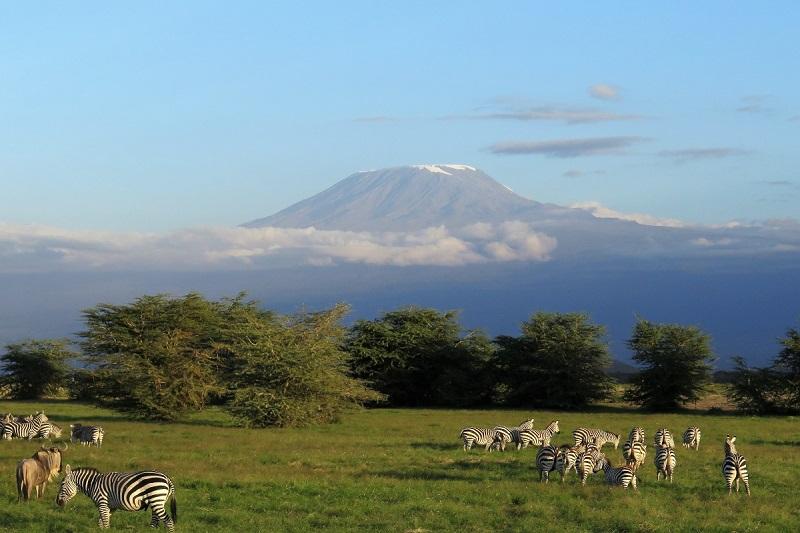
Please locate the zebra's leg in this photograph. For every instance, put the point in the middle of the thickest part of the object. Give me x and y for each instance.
(160, 513)
(105, 515)
(154, 519)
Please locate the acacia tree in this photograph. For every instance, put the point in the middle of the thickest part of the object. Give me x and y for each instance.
(35, 368)
(560, 360)
(775, 389)
(677, 362)
(417, 356)
(156, 357)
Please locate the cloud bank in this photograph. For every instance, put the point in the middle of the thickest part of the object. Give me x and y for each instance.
(41, 248)
(600, 211)
(567, 148)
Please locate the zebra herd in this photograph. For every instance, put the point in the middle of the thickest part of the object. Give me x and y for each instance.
(109, 491)
(585, 457)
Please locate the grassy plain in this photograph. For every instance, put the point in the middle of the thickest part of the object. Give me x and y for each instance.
(404, 470)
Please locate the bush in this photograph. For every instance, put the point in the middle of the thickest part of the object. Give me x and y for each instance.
(35, 368)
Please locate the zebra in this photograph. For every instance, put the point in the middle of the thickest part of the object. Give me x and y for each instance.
(636, 435)
(87, 435)
(538, 436)
(691, 437)
(634, 453)
(589, 462)
(665, 462)
(24, 430)
(48, 430)
(598, 436)
(734, 467)
(505, 434)
(546, 462)
(482, 436)
(622, 476)
(567, 459)
(129, 491)
(663, 437)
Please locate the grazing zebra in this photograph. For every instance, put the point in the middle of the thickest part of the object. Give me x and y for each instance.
(24, 430)
(129, 491)
(734, 467)
(665, 462)
(634, 454)
(540, 437)
(589, 462)
(567, 459)
(546, 462)
(481, 436)
(87, 435)
(505, 434)
(691, 437)
(48, 430)
(622, 475)
(598, 436)
(636, 435)
(663, 437)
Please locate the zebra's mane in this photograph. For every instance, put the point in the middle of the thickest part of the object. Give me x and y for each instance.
(86, 469)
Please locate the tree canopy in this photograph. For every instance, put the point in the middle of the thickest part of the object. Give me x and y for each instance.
(559, 361)
(677, 365)
(35, 368)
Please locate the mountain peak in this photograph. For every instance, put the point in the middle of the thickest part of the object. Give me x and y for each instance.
(406, 198)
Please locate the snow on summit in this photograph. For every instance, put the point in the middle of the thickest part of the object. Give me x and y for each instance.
(440, 168)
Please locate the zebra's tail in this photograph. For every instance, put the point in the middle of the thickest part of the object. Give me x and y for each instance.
(173, 503)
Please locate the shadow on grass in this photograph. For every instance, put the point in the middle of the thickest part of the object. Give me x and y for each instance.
(462, 470)
(777, 442)
(440, 446)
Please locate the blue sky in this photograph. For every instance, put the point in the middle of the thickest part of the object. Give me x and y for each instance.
(156, 116)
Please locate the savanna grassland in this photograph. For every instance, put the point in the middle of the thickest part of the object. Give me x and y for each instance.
(404, 469)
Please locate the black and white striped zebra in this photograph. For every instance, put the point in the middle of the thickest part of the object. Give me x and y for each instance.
(23, 430)
(634, 453)
(546, 462)
(481, 436)
(538, 437)
(734, 467)
(567, 459)
(663, 437)
(621, 476)
(636, 435)
(48, 430)
(87, 435)
(589, 462)
(665, 462)
(507, 434)
(691, 437)
(598, 437)
(128, 491)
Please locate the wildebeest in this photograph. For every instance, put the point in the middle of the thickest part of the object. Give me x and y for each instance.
(34, 473)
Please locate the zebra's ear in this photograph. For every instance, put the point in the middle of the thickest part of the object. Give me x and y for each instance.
(67, 470)
(733, 439)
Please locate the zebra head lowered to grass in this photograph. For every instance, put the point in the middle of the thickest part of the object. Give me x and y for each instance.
(87, 435)
(127, 491)
(734, 466)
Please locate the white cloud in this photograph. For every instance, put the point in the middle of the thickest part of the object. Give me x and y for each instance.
(42, 248)
(600, 211)
(604, 91)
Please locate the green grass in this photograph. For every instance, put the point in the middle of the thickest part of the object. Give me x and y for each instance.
(403, 469)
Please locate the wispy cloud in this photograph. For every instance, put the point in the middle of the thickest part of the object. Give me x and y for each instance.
(567, 115)
(604, 91)
(600, 211)
(376, 119)
(41, 248)
(779, 183)
(754, 103)
(567, 148)
(696, 154)
(574, 173)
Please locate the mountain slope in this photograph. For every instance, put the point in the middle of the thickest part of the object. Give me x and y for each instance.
(408, 199)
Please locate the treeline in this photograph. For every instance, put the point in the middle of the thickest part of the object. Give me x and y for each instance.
(161, 357)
